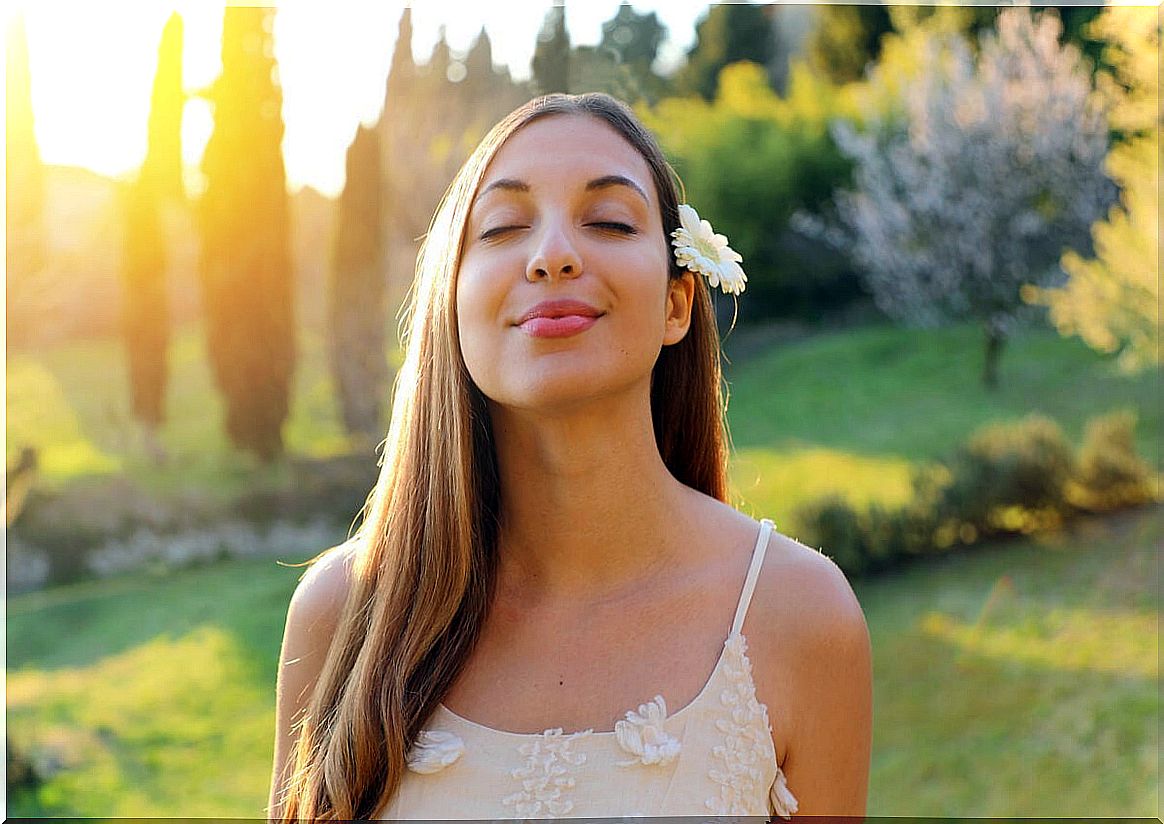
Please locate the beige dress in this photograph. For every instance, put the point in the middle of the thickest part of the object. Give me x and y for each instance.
(713, 757)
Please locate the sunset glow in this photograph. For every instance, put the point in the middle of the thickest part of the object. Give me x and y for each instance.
(92, 67)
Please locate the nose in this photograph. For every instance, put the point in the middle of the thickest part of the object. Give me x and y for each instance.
(555, 253)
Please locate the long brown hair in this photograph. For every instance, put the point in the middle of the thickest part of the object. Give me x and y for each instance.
(426, 549)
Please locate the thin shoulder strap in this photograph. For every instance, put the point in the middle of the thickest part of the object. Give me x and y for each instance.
(766, 526)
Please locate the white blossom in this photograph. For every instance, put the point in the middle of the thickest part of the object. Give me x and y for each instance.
(700, 249)
(976, 187)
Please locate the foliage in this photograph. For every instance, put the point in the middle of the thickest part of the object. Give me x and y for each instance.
(620, 64)
(550, 64)
(162, 168)
(357, 296)
(1110, 474)
(990, 171)
(633, 37)
(748, 160)
(29, 287)
(145, 306)
(727, 33)
(246, 266)
(1025, 464)
(145, 310)
(846, 38)
(1006, 478)
(433, 115)
(1112, 301)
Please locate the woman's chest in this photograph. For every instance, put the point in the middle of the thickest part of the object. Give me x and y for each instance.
(584, 671)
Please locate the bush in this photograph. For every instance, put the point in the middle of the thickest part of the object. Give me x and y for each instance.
(1109, 474)
(1019, 477)
(1024, 465)
(749, 160)
(835, 528)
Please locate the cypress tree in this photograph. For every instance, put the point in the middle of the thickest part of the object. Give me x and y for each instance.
(551, 59)
(358, 310)
(25, 284)
(145, 309)
(246, 258)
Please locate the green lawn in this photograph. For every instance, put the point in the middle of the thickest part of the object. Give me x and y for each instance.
(1011, 680)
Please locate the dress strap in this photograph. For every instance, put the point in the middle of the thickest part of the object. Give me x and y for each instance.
(766, 526)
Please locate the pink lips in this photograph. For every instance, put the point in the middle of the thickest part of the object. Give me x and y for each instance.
(558, 318)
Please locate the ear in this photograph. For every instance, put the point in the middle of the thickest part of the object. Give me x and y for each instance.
(680, 296)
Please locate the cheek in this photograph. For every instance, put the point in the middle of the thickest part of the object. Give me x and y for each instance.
(479, 309)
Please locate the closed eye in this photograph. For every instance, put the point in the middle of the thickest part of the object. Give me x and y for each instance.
(497, 230)
(616, 227)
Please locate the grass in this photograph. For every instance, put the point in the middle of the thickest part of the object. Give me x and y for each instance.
(1014, 679)
(1021, 679)
(72, 404)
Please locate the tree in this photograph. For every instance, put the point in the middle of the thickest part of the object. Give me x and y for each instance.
(846, 38)
(427, 128)
(246, 257)
(729, 32)
(145, 307)
(632, 37)
(551, 58)
(358, 311)
(621, 63)
(1113, 300)
(990, 173)
(30, 288)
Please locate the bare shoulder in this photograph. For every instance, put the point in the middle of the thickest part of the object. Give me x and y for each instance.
(323, 588)
(805, 593)
(806, 632)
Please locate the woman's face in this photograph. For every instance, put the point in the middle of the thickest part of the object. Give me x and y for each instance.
(566, 210)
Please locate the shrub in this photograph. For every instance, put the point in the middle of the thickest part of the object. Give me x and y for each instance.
(1024, 465)
(834, 527)
(1110, 474)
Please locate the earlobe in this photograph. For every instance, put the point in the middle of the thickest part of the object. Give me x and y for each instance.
(680, 297)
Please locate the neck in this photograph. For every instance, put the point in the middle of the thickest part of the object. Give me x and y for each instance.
(589, 509)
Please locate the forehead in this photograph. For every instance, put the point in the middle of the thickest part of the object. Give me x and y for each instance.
(568, 149)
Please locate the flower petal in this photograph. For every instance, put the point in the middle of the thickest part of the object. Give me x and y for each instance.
(434, 750)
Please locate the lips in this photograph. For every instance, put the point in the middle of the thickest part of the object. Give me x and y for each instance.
(559, 309)
(558, 318)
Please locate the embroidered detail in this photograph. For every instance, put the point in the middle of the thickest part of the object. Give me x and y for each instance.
(642, 735)
(545, 776)
(784, 803)
(747, 747)
(434, 750)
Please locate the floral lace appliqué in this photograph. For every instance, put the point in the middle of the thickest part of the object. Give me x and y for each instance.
(434, 750)
(643, 736)
(783, 801)
(740, 761)
(545, 777)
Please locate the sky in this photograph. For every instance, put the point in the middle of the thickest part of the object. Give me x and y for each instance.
(92, 66)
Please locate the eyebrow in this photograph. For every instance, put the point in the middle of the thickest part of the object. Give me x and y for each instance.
(510, 184)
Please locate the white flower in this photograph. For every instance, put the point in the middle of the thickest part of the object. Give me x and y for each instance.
(700, 249)
(643, 736)
(434, 750)
(783, 801)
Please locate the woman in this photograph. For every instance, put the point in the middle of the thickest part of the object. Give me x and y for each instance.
(525, 623)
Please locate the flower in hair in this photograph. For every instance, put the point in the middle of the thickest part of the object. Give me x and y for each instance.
(701, 250)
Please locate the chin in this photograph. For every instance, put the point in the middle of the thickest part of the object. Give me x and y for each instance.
(568, 389)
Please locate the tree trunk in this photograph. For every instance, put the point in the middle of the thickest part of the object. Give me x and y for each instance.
(994, 344)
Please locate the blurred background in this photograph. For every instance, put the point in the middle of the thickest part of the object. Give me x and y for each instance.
(944, 373)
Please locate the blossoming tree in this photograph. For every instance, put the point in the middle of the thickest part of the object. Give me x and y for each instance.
(977, 182)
